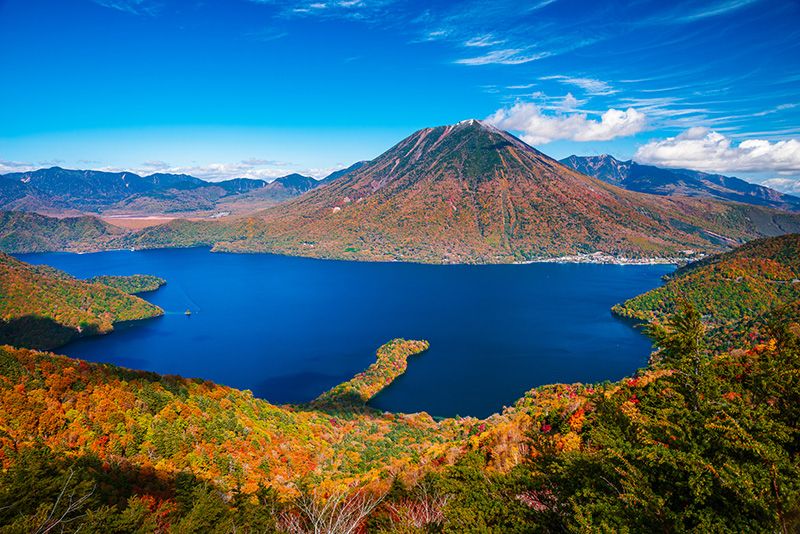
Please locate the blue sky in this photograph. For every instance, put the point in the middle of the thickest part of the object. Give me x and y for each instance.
(224, 88)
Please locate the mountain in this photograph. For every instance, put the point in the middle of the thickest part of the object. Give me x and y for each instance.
(69, 189)
(466, 193)
(268, 194)
(70, 192)
(293, 184)
(659, 181)
(177, 181)
(32, 232)
(341, 172)
(604, 167)
(469, 192)
(241, 185)
(42, 307)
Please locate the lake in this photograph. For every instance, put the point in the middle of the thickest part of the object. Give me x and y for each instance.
(290, 328)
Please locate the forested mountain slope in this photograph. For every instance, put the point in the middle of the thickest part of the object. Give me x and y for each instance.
(41, 307)
(733, 290)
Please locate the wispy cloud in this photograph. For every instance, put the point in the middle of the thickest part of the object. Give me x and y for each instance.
(134, 7)
(365, 10)
(590, 86)
(484, 40)
(505, 56)
(266, 35)
(257, 168)
(540, 5)
(776, 109)
(7, 166)
(714, 10)
(433, 35)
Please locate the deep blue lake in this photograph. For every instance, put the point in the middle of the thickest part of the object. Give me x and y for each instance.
(290, 328)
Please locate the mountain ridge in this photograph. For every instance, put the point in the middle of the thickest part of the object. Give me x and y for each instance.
(667, 181)
(56, 190)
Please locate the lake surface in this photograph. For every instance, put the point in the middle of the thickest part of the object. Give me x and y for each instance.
(290, 328)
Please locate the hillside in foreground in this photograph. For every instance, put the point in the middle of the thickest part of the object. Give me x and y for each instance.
(733, 290)
(703, 440)
(41, 307)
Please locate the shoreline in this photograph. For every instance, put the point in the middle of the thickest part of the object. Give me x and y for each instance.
(596, 258)
(601, 258)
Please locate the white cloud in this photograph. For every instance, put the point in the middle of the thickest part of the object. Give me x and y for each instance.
(483, 40)
(506, 56)
(590, 85)
(721, 8)
(363, 10)
(540, 5)
(787, 185)
(215, 172)
(539, 128)
(8, 166)
(570, 103)
(434, 35)
(705, 150)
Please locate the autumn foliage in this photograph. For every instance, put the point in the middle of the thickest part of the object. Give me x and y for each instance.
(42, 307)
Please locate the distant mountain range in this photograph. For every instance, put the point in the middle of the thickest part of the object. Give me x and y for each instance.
(660, 181)
(469, 192)
(62, 191)
(466, 193)
(57, 191)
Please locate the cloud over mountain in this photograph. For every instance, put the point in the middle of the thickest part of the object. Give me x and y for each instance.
(538, 127)
(706, 150)
(787, 185)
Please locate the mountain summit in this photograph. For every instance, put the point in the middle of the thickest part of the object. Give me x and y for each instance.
(469, 192)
